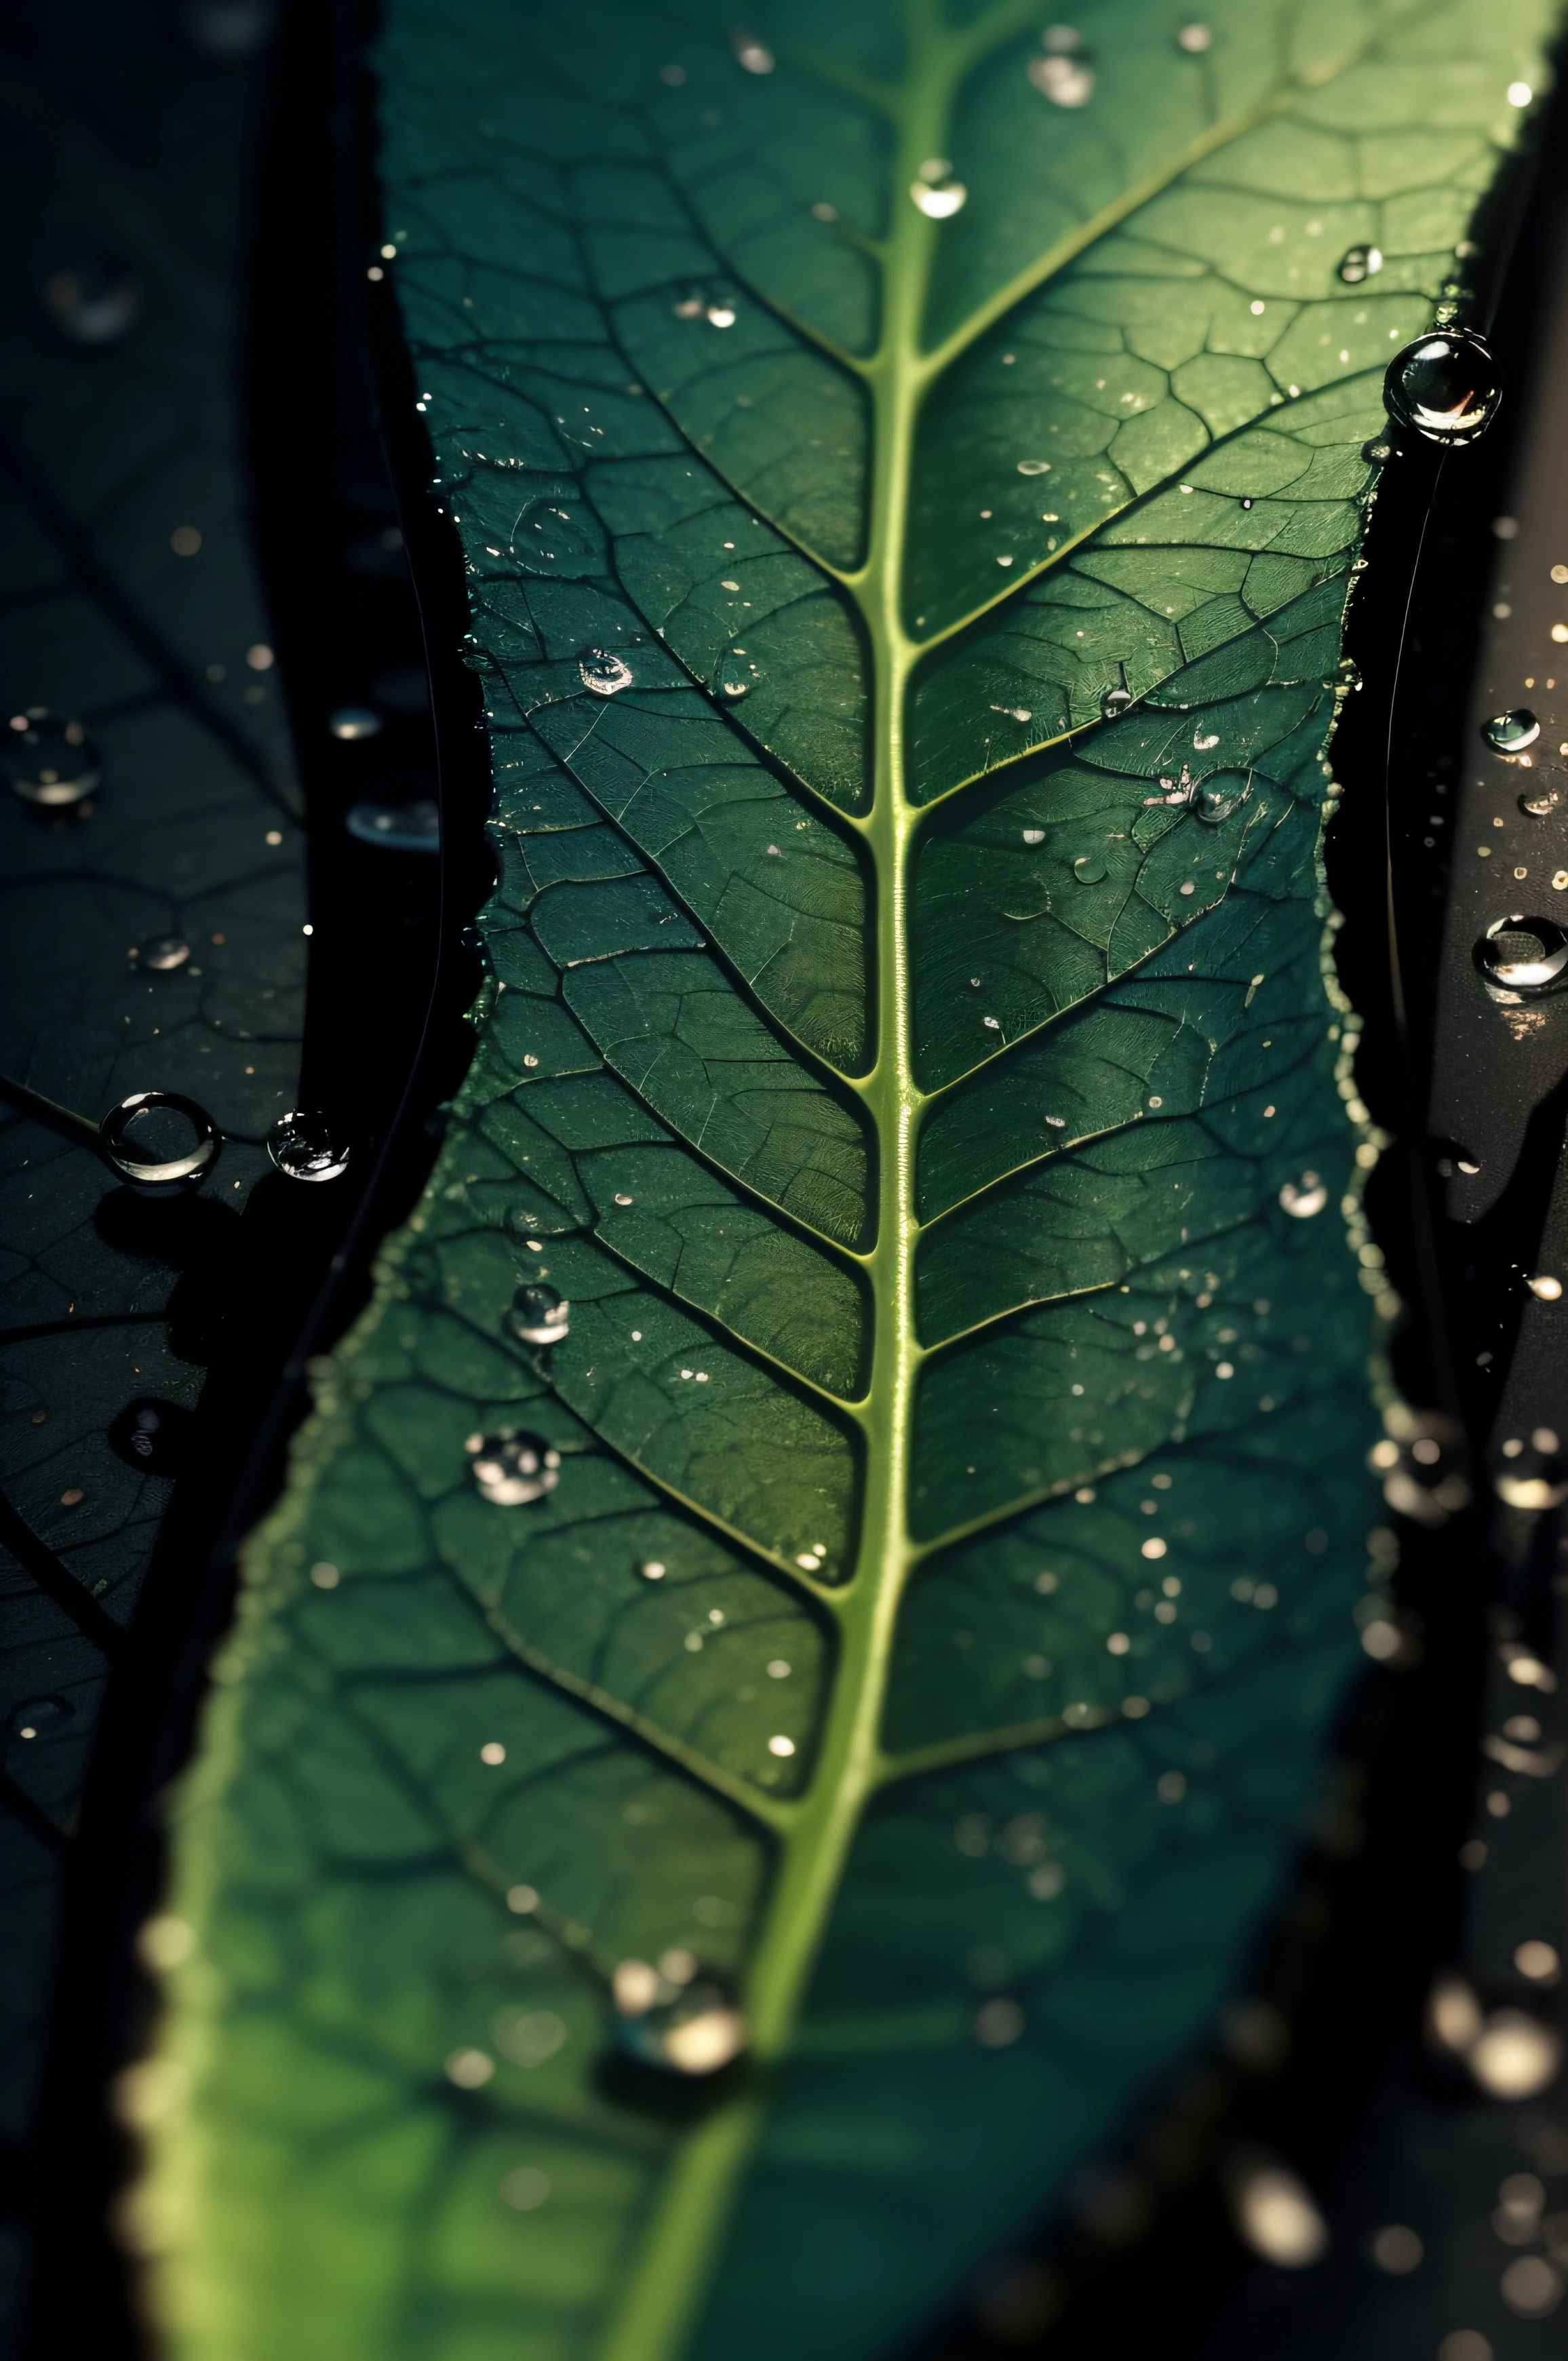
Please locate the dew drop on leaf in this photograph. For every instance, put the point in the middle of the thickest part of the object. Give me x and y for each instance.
(604, 673)
(539, 1314)
(307, 1146)
(1444, 387)
(1542, 805)
(682, 2016)
(153, 1437)
(162, 953)
(1090, 869)
(1510, 733)
(49, 760)
(1526, 955)
(1115, 701)
(1361, 262)
(511, 1468)
(1304, 1196)
(1217, 797)
(404, 828)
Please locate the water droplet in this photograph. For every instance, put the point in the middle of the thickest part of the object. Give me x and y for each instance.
(539, 1314)
(749, 54)
(1195, 39)
(1377, 452)
(1444, 387)
(148, 1160)
(1091, 869)
(938, 204)
(1216, 798)
(1361, 262)
(511, 1468)
(354, 721)
(602, 673)
(49, 760)
(153, 1437)
(91, 307)
(1304, 1196)
(1034, 467)
(1066, 81)
(1115, 702)
(1541, 806)
(1526, 955)
(404, 828)
(307, 1146)
(42, 1717)
(1347, 676)
(682, 2016)
(1510, 733)
(162, 953)
(735, 689)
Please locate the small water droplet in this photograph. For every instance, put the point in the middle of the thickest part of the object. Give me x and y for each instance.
(162, 953)
(735, 689)
(42, 1717)
(1304, 1196)
(1195, 39)
(1539, 807)
(1523, 955)
(939, 203)
(50, 760)
(602, 673)
(749, 54)
(153, 1437)
(682, 2016)
(92, 307)
(539, 1314)
(1510, 733)
(511, 1468)
(1115, 702)
(1066, 73)
(1361, 262)
(1377, 452)
(1216, 798)
(351, 723)
(404, 828)
(1444, 387)
(307, 1146)
(1091, 869)
(1034, 467)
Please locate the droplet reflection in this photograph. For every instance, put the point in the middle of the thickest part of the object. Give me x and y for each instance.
(681, 2016)
(511, 1468)
(1444, 387)
(307, 1148)
(539, 1314)
(1523, 955)
(1510, 733)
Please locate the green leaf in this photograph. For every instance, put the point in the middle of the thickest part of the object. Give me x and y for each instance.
(902, 1070)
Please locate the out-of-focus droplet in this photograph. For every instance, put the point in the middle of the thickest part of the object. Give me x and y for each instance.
(1515, 2056)
(939, 203)
(539, 1314)
(1396, 2248)
(307, 1146)
(1065, 81)
(162, 953)
(603, 674)
(681, 2015)
(1275, 2213)
(1510, 733)
(1444, 387)
(351, 723)
(1091, 869)
(1361, 262)
(50, 760)
(92, 307)
(406, 827)
(154, 1437)
(43, 1716)
(229, 31)
(1453, 2019)
(750, 54)
(1544, 1286)
(513, 1469)
(1304, 1196)
(1217, 797)
(1524, 955)
(1195, 39)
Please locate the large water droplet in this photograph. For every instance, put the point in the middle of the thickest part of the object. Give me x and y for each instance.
(1542, 805)
(1525, 955)
(162, 953)
(604, 673)
(49, 760)
(1304, 1196)
(1444, 387)
(511, 1468)
(1216, 798)
(1361, 262)
(176, 1140)
(682, 2016)
(1510, 733)
(307, 1146)
(539, 1314)
(153, 1437)
(352, 722)
(939, 204)
(1091, 869)
(42, 1717)
(406, 827)
(1115, 702)
(91, 307)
